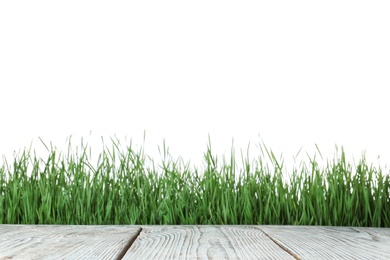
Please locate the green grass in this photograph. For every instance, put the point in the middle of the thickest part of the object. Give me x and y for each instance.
(124, 189)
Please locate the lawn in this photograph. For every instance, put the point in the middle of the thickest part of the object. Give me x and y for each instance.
(124, 189)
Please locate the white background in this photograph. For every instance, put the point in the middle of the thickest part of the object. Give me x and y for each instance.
(290, 73)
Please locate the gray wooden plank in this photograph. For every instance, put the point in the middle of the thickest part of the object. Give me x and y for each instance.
(204, 242)
(320, 242)
(64, 242)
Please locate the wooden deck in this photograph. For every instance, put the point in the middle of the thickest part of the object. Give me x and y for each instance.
(192, 242)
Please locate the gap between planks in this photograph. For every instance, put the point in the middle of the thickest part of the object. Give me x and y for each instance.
(281, 246)
(128, 245)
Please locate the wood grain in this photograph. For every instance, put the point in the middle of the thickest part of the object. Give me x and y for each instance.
(315, 242)
(64, 242)
(192, 242)
(204, 242)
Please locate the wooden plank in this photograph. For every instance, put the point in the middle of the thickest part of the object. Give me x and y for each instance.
(204, 242)
(320, 242)
(65, 242)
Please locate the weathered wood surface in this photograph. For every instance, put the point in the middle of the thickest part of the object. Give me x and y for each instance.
(204, 242)
(192, 242)
(65, 242)
(315, 242)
